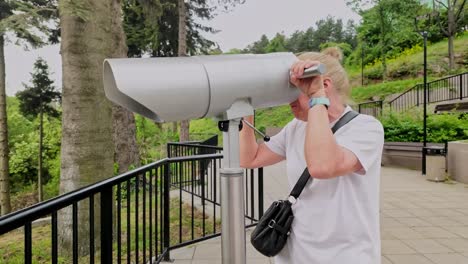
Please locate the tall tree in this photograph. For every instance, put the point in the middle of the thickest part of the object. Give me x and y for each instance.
(36, 101)
(182, 52)
(162, 40)
(25, 19)
(260, 46)
(91, 31)
(387, 26)
(455, 12)
(139, 18)
(277, 44)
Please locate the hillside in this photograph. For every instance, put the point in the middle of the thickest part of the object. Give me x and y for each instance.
(404, 72)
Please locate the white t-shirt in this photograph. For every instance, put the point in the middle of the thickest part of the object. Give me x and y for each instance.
(336, 220)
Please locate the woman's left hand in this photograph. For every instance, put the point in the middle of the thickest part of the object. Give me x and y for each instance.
(309, 86)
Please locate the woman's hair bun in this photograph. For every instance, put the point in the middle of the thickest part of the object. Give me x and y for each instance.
(334, 52)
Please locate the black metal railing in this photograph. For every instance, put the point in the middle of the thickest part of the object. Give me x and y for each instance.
(136, 217)
(445, 89)
(207, 187)
(373, 108)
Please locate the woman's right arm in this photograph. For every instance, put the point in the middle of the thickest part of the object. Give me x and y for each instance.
(252, 154)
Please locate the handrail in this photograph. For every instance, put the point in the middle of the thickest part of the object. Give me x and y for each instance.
(405, 92)
(449, 88)
(197, 145)
(19, 218)
(428, 83)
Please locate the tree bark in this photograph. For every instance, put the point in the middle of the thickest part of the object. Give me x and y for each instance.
(87, 153)
(182, 51)
(5, 205)
(40, 195)
(126, 152)
(451, 33)
(383, 44)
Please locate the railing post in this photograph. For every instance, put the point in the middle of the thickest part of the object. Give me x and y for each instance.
(106, 225)
(27, 243)
(359, 108)
(417, 96)
(166, 216)
(461, 86)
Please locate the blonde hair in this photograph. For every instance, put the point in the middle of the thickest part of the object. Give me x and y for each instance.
(332, 58)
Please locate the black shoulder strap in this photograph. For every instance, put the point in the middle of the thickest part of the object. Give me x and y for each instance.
(301, 183)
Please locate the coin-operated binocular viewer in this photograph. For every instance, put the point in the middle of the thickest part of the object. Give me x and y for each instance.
(227, 87)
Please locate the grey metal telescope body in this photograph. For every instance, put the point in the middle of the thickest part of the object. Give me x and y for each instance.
(183, 88)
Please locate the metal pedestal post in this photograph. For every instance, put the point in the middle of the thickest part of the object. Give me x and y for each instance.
(232, 199)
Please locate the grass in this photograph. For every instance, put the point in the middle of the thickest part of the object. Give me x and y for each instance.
(409, 63)
(405, 71)
(381, 90)
(12, 244)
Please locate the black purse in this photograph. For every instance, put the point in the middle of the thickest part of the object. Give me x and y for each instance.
(273, 228)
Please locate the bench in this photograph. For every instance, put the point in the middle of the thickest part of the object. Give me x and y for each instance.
(404, 154)
(452, 107)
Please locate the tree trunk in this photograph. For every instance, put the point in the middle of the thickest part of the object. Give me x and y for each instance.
(5, 206)
(40, 195)
(383, 44)
(126, 151)
(451, 29)
(182, 51)
(87, 150)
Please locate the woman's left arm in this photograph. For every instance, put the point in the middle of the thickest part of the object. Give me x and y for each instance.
(324, 157)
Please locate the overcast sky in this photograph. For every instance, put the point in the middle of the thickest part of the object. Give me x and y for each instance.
(244, 25)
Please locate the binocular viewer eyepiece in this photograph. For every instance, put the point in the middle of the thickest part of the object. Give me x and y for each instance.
(184, 88)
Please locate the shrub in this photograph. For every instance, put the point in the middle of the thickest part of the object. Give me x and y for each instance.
(408, 127)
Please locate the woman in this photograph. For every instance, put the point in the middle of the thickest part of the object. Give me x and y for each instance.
(336, 218)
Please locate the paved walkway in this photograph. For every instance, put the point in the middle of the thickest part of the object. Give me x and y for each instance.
(422, 222)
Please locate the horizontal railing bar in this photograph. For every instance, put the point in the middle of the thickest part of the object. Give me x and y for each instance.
(184, 143)
(194, 145)
(201, 239)
(195, 157)
(445, 78)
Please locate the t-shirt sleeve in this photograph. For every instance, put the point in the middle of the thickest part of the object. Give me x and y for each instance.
(277, 143)
(365, 139)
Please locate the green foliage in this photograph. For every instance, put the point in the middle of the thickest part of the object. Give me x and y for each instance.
(77, 9)
(146, 37)
(273, 117)
(39, 97)
(23, 139)
(346, 48)
(202, 129)
(408, 127)
(152, 139)
(139, 26)
(258, 47)
(325, 30)
(385, 30)
(408, 64)
(29, 20)
(277, 44)
(381, 90)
